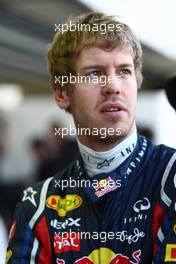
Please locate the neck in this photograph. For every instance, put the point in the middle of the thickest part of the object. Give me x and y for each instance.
(97, 145)
(105, 161)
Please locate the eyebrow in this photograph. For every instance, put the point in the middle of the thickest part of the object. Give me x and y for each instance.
(122, 65)
(126, 65)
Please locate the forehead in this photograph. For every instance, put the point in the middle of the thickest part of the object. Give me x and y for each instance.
(97, 56)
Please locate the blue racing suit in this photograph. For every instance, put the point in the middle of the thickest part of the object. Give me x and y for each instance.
(125, 216)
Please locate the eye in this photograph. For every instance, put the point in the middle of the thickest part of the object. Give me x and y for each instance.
(125, 71)
(94, 73)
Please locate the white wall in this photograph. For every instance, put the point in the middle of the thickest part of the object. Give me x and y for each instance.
(155, 112)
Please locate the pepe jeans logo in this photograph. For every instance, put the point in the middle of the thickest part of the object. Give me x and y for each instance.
(63, 205)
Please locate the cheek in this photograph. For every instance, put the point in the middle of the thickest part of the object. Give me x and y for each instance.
(81, 103)
(132, 98)
(88, 98)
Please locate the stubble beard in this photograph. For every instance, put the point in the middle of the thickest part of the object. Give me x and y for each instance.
(106, 139)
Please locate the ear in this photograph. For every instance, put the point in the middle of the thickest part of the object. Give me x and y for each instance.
(61, 97)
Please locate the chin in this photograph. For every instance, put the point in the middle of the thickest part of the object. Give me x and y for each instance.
(108, 139)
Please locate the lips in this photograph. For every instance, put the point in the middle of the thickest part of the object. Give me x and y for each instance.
(110, 107)
(112, 110)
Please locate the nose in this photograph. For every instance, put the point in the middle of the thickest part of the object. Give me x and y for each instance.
(112, 86)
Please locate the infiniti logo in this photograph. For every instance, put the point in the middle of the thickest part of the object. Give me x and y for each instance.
(141, 205)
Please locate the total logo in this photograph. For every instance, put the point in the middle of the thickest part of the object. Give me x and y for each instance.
(66, 242)
(106, 185)
(142, 205)
(63, 205)
(64, 224)
(107, 256)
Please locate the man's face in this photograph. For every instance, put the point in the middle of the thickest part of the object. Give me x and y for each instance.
(99, 105)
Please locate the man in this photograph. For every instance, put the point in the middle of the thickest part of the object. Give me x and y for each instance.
(116, 203)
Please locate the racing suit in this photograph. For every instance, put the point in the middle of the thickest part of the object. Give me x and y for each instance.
(125, 216)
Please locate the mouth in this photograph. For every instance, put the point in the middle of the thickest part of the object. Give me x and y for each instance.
(112, 111)
(111, 108)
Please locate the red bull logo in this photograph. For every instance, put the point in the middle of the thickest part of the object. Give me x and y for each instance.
(107, 256)
(104, 186)
(125, 260)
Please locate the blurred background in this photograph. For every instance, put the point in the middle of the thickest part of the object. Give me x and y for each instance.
(29, 150)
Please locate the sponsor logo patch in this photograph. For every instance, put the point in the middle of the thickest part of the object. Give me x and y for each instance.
(104, 186)
(63, 205)
(105, 163)
(107, 256)
(69, 222)
(8, 256)
(66, 242)
(28, 194)
(141, 205)
(170, 252)
(84, 260)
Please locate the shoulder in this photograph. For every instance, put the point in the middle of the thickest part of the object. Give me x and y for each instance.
(33, 201)
(162, 159)
(160, 152)
(167, 157)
